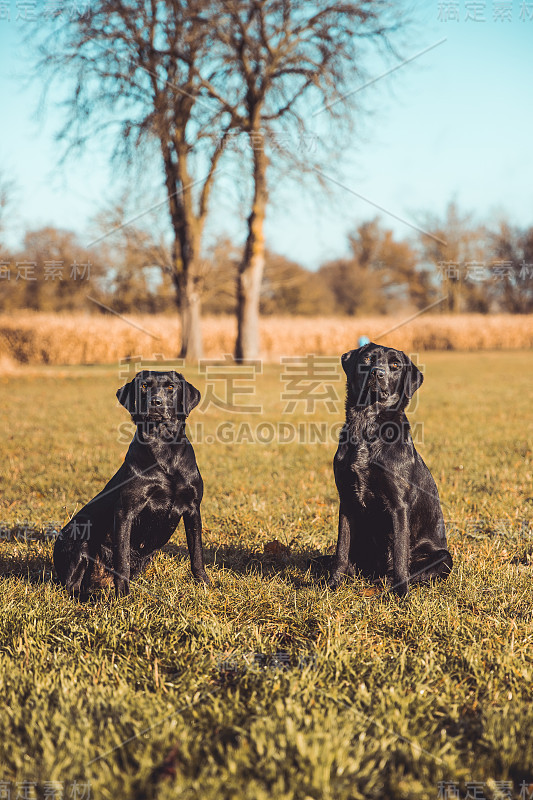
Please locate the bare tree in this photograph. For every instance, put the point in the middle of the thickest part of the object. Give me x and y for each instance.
(6, 195)
(138, 258)
(457, 243)
(278, 58)
(512, 250)
(139, 62)
(56, 271)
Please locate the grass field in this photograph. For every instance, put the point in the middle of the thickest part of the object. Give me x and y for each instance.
(267, 685)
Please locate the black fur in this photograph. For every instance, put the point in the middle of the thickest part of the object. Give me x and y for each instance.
(390, 519)
(117, 533)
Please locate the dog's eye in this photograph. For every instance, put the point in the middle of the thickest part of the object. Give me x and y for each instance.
(395, 365)
(170, 388)
(367, 360)
(144, 386)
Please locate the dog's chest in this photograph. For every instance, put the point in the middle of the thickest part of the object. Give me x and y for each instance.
(170, 496)
(353, 467)
(165, 503)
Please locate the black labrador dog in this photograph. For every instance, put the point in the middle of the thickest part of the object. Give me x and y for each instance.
(390, 519)
(117, 533)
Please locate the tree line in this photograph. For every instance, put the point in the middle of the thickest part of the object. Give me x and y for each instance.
(460, 267)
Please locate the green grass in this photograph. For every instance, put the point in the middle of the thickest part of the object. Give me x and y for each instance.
(267, 685)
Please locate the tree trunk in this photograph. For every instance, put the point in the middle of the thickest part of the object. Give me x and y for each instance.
(185, 253)
(247, 345)
(190, 306)
(189, 299)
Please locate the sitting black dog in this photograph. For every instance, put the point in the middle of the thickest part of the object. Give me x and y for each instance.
(136, 513)
(390, 520)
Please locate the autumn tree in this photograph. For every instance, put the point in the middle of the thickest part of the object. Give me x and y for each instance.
(52, 272)
(457, 251)
(380, 275)
(6, 196)
(134, 68)
(221, 269)
(279, 59)
(511, 249)
(288, 288)
(138, 260)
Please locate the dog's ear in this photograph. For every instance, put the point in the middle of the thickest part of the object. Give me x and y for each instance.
(190, 395)
(126, 396)
(350, 359)
(412, 378)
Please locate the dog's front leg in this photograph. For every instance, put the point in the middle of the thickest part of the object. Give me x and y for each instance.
(400, 551)
(193, 530)
(77, 569)
(341, 562)
(121, 550)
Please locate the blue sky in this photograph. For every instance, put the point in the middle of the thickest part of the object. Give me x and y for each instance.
(455, 123)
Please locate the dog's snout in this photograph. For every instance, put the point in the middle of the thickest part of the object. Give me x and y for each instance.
(379, 372)
(156, 401)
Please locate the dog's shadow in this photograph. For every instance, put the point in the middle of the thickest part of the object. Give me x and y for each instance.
(300, 568)
(20, 558)
(34, 569)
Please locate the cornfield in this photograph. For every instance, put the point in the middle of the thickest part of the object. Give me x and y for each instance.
(36, 338)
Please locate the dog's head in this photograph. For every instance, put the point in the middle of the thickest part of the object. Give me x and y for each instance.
(155, 395)
(380, 375)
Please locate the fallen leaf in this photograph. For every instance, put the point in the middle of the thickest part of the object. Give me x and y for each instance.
(275, 548)
(371, 591)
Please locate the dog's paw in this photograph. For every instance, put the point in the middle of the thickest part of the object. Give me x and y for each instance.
(202, 577)
(335, 581)
(401, 589)
(74, 588)
(122, 587)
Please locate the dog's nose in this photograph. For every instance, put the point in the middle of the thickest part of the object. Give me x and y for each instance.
(378, 371)
(155, 401)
